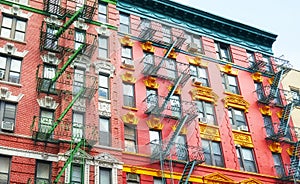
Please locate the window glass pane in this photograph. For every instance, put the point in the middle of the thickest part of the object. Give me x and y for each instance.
(128, 89)
(21, 25)
(103, 81)
(15, 65)
(232, 80)
(78, 118)
(126, 52)
(104, 125)
(43, 170)
(2, 62)
(4, 162)
(105, 176)
(10, 111)
(5, 33)
(154, 136)
(247, 154)
(216, 148)
(102, 8)
(19, 36)
(124, 19)
(76, 173)
(193, 70)
(7, 22)
(202, 72)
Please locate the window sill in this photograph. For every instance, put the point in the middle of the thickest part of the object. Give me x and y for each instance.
(13, 40)
(128, 67)
(11, 83)
(103, 59)
(130, 108)
(104, 100)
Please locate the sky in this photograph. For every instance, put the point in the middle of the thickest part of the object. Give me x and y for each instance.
(280, 17)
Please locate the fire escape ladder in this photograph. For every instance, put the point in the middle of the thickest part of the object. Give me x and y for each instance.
(294, 169)
(69, 160)
(79, 94)
(284, 121)
(188, 169)
(275, 86)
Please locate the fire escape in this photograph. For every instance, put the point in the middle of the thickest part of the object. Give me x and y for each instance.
(63, 43)
(269, 94)
(183, 112)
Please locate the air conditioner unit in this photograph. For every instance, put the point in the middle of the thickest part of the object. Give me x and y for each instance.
(243, 128)
(192, 47)
(196, 81)
(133, 177)
(203, 120)
(1, 74)
(128, 62)
(6, 125)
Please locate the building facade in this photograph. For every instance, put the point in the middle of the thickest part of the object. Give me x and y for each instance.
(138, 91)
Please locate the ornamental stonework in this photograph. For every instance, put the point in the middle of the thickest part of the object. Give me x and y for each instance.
(242, 138)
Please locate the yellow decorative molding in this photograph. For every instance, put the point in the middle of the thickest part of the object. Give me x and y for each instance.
(242, 138)
(150, 82)
(251, 181)
(275, 147)
(217, 178)
(257, 77)
(172, 54)
(279, 114)
(204, 93)
(209, 132)
(148, 47)
(177, 91)
(197, 61)
(266, 110)
(128, 77)
(236, 101)
(270, 80)
(130, 118)
(290, 150)
(183, 130)
(155, 123)
(126, 41)
(228, 69)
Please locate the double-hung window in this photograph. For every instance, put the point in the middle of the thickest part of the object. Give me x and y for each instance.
(43, 172)
(124, 23)
(128, 95)
(167, 34)
(222, 51)
(78, 126)
(5, 163)
(103, 46)
(105, 175)
(230, 83)
(148, 62)
(259, 90)
(152, 98)
(10, 69)
(200, 75)
(206, 112)
(194, 43)
(181, 148)
(237, 119)
(79, 80)
(175, 106)
(13, 27)
(53, 7)
(104, 87)
(127, 56)
(267, 63)
(251, 58)
(77, 176)
(246, 159)
(213, 153)
(171, 68)
(102, 12)
(105, 133)
(278, 165)
(80, 36)
(7, 115)
(46, 120)
(130, 138)
(51, 41)
(155, 140)
(268, 125)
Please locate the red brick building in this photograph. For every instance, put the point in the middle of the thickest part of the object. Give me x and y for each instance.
(140, 92)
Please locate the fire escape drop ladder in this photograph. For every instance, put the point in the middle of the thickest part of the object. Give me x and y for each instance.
(294, 170)
(274, 88)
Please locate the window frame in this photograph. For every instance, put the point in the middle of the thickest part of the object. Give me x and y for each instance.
(37, 170)
(129, 100)
(204, 106)
(81, 166)
(79, 79)
(175, 106)
(102, 15)
(242, 160)
(221, 47)
(79, 125)
(107, 133)
(3, 115)
(259, 89)
(278, 165)
(102, 46)
(155, 143)
(41, 122)
(198, 72)
(9, 63)
(105, 88)
(235, 123)
(13, 27)
(251, 58)
(9, 167)
(268, 124)
(212, 154)
(79, 38)
(124, 25)
(130, 138)
(194, 37)
(267, 64)
(227, 86)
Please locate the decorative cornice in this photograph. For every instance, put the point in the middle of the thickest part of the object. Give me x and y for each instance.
(155, 123)
(126, 41)
(130, 118)
(250, 181)
(242, 138)
(209, 132)
(204, 93)
(275, 147)
(236, 101)
(172, 54)
(197, 61)
(47, 102)
(265, 110)
(105, 67)
(128, 77)
(228, 70)
(6, 94)
(148, 47)
(10, 49)
(257, 77)
(150, 82)
(217, 178)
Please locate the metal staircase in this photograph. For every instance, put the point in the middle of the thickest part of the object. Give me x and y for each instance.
(294, 169)
(188, 170)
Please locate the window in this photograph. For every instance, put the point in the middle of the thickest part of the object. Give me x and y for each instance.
(79, 79)
(48, 73)
(213, 153)
(77, 174)
(104, 125)
(194, 43)
(4, 169)
(181, 148)
(222, 51)
(152, 99)
(130, 138)
(268, 65)
(167, 34)
(127, 56)
(78, 125)
(206, 112)
(103, 47)
(103, 90)
(259, 90)
(124, 23)
(230, 83)
(295, 94)
(155, 140)
(200, 75)
(13, 27)
(278, 165)
(237, 119)
(128, 95)
(246, 159)
(46, 120)
(7, 115)
(268, 126)
(105, 176)
(158, 181)
(43, 172)
(10, 69)
(102, 12)
(277, 99)
(175, 106)
(54, 7)
(51, 42)
(79, 38)
(171, 68)
(148, 61)
(132, 178)
(79, 4)
(251, 58)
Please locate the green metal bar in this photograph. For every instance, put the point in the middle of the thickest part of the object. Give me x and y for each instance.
(68, 161)
(64, 112)
(69, 22)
